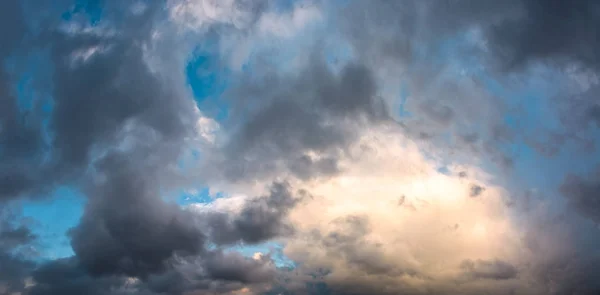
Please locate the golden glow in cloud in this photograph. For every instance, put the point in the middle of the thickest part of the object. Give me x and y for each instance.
(391, 216)
(391, 221)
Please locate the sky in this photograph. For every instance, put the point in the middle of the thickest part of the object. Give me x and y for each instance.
(318, 147)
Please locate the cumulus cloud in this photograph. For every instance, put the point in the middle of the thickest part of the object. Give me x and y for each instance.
(384, 144)
(392, 224)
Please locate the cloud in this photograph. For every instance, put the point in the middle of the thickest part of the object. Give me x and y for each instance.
(258, 220)
(200, 15)
(367, 242)
(128, 229)
(476, 190)
(448, 56)
(19, 140)
(15, 242)
(582, 192)
(301, 123)
(495, 270)
(117, 128)
(363, 197)
(547, 36)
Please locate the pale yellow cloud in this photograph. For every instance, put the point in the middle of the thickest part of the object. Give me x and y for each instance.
(393, 222)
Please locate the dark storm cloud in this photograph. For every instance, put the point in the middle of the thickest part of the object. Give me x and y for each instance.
(13, 272)
(110, 100)
(314, 110)
(64, 276)
(215, 273)
(117, 130)
(13, 237)
(260, 219)
(19, 139)
(112, 88)
(15, 264)
(555, 31)
(127, 228)
(583, 193)
(112, 113)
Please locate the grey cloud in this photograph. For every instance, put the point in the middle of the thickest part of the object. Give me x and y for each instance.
(476, 190)
(117, 129)
(347, 242)
(235, 267)
(563, 253)
(219, 273)
(18, 140)
(470, 138)
(13, 272)
(15, 264)
(441, 114)
(397, 30)
(489, 269)
(583, 194)
(64, 276)
(13, 237)
(594, 114)
(516, 32)
(128, 229)
(93, 100)
(260, 219)
(582, 113)
(555, 31)
(114, 115)
(510, 38)
(315, 110)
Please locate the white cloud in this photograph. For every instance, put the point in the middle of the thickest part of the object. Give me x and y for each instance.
(288, 24)
(199, 14)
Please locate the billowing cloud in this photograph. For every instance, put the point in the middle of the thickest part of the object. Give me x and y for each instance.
(388, 147)
(392, 224)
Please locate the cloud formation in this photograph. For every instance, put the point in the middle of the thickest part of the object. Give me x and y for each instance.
(389, 147)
